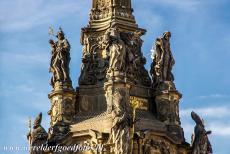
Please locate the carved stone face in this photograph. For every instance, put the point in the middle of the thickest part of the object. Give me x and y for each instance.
(60, 36)
(167, 35)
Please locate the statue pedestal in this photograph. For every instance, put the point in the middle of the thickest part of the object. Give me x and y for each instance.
(115, 77)
(167, 103)
(59, 86)
(62, 111)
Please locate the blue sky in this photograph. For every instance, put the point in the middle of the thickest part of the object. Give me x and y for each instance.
(200, 44)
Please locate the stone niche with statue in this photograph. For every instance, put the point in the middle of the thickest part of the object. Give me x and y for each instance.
(118, 103)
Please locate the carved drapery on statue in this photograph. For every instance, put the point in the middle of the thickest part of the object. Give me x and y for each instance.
(38, 136)
(122, 122)
(136, 70)
(163, 61)
(125, 56)
(115, 53)
(116, 50)
(200, 142)
(94, 66)
(59, 64)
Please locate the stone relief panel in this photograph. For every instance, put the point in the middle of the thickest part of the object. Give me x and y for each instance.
(115, 54)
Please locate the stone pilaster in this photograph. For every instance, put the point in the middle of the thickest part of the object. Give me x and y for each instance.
(118, 105)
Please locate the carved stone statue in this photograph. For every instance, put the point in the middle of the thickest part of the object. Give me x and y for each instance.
(87, 76)
(116, 48)
(201, 143)
(59, 64)
(138, 62)
(158, 147)
(57, 132)
(122, 122)
(163, 60)
(38, 136)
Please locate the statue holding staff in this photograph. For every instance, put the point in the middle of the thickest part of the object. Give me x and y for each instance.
(59, 64)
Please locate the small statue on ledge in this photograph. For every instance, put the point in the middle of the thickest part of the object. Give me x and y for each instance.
(200, 141)
(38, 136)
(116, 48)
(163, 61)
(59, 64)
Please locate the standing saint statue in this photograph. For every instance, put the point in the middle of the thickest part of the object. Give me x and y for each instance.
(200, 143)
(116, 48)
(163, 60)
(59, 64)
(38, 136)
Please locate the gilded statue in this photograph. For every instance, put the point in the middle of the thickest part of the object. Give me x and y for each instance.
(200, 143)
(59, 64)
(163, 60)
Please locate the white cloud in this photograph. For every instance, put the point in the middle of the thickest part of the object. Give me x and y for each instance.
(212, 96)
(25, 14)
(210, 112)
(24, 58)
(185, 5)
(152, 19)
(215, 119)
(220, 129)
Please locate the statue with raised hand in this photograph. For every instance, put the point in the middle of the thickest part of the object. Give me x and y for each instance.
(116, 48)
(59, 64)
(38, 136)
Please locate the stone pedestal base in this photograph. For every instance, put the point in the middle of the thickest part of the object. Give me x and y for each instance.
(62, 111)
(167, 103)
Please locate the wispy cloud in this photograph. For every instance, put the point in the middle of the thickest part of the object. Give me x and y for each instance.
(213, 96)
(24, 58)
(25, 14)
(185, 5)
(215, 119)
(220, 129)
(151, 20)
(210, 112)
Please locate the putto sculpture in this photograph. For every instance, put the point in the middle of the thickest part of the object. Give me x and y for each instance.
(60, 59)
(200, 141)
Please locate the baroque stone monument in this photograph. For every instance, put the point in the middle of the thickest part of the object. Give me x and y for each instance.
(117, 104)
